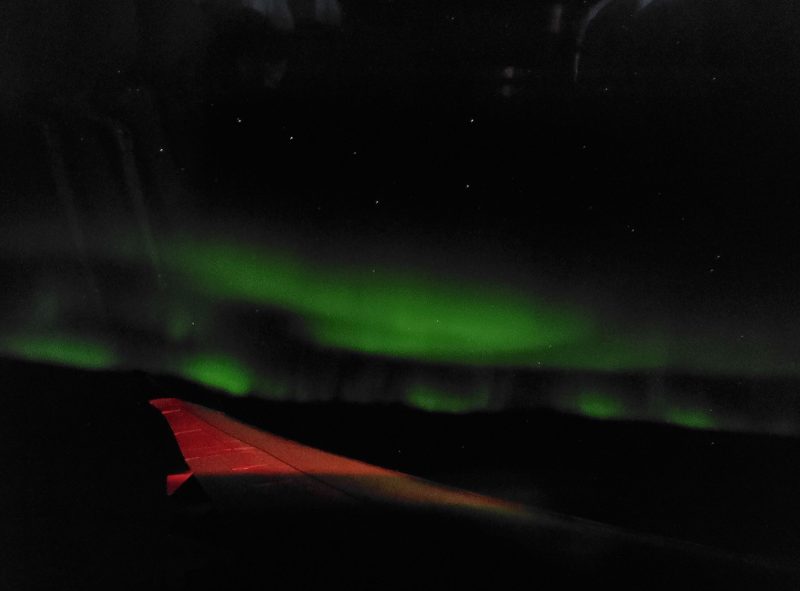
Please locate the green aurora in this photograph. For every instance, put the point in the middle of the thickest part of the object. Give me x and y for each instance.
(690, 418)
(218, 371)
(600, 405)
(382, 311)
(60, 349)
(432, 399)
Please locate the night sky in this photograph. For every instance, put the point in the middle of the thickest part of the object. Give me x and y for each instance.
(426, 202)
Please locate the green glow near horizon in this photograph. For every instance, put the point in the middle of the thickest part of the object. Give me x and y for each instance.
(600, 405)
(405, 314)
(273, 386)
(402, 315)
(60, 349)
(218, 371)
(213, 286)
(691, 418)
(433, 399)
(214, 265)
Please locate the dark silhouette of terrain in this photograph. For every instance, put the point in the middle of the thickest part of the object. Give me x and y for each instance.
(85, 459)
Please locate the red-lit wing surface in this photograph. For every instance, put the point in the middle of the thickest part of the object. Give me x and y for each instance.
(240, 466)
(257, 479)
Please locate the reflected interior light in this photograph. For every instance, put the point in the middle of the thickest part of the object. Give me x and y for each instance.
(556, 15)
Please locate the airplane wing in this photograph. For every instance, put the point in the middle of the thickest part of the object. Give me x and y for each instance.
(310, 514)
(218, 448)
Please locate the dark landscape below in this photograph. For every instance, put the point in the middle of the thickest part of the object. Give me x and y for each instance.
(85, 458)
